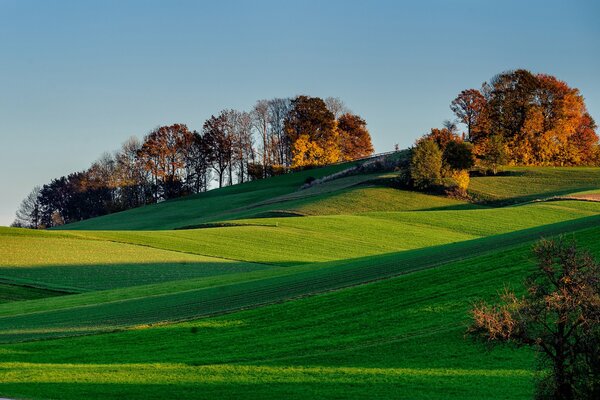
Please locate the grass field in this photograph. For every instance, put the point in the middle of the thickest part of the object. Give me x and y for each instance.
(405, 333)
(348, 289)
(341, 196)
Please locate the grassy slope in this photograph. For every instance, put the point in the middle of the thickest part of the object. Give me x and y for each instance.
(525, 184)
(341, 196)
(364, 341)
(292, 241)
(68, 262)
(66, 316)
(400, 338)
(55, 260)
(226, 203)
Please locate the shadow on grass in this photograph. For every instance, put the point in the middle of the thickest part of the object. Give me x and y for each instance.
(85, 277)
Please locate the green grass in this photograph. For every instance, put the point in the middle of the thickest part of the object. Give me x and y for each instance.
(58, 261)
(12, 292)
(381, 281)
(48, 320)
(372, 198)
(297, 240)
(226, 203)
(399, 338)
(341, 196)
(521, 184)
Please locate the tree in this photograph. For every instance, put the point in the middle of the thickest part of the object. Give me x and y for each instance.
(426, 164)
(198, 163)
(261, 118)
(584, 141)
(310, 120)
(131, 179)
(278, 111)
(219, 143)
(559, 316)
(468, 106)
(541, 120)
(354, 138)
(163, 156)
(29, 213)
(442, 137)
(336, 106)
(494, 154)
(458, 155)
(54, 200)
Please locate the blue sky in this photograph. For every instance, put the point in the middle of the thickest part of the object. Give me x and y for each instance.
(77, 78)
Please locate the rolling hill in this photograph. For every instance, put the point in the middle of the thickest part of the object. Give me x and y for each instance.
(347, 289)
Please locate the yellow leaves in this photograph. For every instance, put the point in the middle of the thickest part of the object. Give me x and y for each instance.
(308, 153)
(461, 179)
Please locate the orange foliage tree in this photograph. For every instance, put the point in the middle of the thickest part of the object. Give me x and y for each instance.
(541, 120)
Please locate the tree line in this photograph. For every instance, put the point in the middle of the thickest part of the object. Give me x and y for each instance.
(275, 137)
(517, 118)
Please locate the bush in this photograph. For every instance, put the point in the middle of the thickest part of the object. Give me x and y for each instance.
(460, 181)
(426, 164)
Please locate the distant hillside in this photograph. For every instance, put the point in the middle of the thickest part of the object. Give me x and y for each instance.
(356, 193)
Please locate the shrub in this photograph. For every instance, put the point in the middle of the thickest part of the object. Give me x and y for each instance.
(426, 164)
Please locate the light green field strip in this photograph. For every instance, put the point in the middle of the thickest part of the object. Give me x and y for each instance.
(218, 299)
(525, 184)
(73, 264)
(293, 241)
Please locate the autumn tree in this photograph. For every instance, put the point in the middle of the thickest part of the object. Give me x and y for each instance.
(162, 154)
(426, 164)
(493, 153)
(559, 316)
(584, 142)
(310, 122)
(468, 107)
(541, 120)
(442, 137)
(354, 137)
(131, 179)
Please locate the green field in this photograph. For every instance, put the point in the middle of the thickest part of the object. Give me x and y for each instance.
(349, 289)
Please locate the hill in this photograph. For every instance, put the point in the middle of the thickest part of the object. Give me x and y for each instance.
(347, 289)
(359, 193)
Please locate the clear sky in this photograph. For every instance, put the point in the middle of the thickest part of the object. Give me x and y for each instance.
(77, 78)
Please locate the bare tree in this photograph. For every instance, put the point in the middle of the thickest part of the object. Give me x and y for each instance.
(278, 111)
(261, 119)
(219, 143)
(132, 180)
(243, 151)
(29, 212)
(559, 316)
(336, 106)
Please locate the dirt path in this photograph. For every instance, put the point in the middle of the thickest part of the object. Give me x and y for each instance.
(586, 197)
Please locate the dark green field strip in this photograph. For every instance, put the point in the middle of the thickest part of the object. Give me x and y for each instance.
(12, 292)
(41, 285)
(110, 276)
(324, 277)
